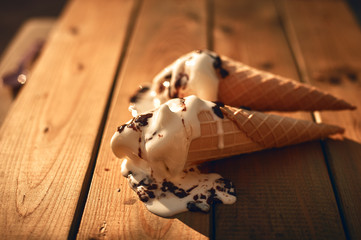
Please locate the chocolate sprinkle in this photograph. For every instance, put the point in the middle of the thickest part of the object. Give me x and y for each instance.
(142, 120)
(143, 196)
(153, 187)
(121, 128)
(216, 109)
(245, 108)
(226, 186)
(181, 81)
(143, 182)
(212, 199)
(224, 73)
(190, 189)
(139, 152)
(198, 206)
(132, 125)
(217, 64)
(150, 194)
(192, 207)
(169, 186)
(161, 88)
(184, 107)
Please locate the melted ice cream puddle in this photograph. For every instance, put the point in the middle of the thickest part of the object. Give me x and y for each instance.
(156, 146)
(191, 74)
(189, 190)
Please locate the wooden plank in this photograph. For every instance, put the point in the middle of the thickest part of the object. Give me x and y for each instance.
(282, 193)
(331, 59)
(47, 139)
(164, 31)
(29, 35)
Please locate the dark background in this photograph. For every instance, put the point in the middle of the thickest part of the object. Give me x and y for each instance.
(13, 13)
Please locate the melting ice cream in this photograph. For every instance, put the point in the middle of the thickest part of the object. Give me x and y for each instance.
(155, 145)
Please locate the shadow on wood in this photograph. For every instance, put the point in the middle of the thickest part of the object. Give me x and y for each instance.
(187, 218)
(281, 193)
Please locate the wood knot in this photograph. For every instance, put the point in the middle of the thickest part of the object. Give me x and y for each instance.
(226, 29)
(130, 201)
(80, 66)
(193, 16)
(337, 75)
(267, 65)
(73, 30)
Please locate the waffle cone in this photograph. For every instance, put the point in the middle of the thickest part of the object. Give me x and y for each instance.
(258, 90)
(249, 131)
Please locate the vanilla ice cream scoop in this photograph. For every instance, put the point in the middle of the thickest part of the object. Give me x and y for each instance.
(191, 74)
(162, 136)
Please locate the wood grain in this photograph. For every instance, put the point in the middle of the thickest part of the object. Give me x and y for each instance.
(164, 31)
(282, 193)
(47, 139)
(31, 32)
(331, 57)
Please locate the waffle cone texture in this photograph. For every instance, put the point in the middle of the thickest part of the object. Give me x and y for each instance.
(262, 91)
(242, 131)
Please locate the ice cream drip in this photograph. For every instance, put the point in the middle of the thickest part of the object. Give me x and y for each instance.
(189, 190)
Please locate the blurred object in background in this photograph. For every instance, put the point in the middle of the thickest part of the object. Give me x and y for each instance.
(18, 58)
(355, 6)
(24, 26)
(18, 77)
(14, 13)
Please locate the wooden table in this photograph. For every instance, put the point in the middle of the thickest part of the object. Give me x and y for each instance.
(59, 178)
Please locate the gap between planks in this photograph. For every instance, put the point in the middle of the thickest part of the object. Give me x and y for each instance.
(90, 171)
(329, 194)
(294, 45)
(158, 31)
